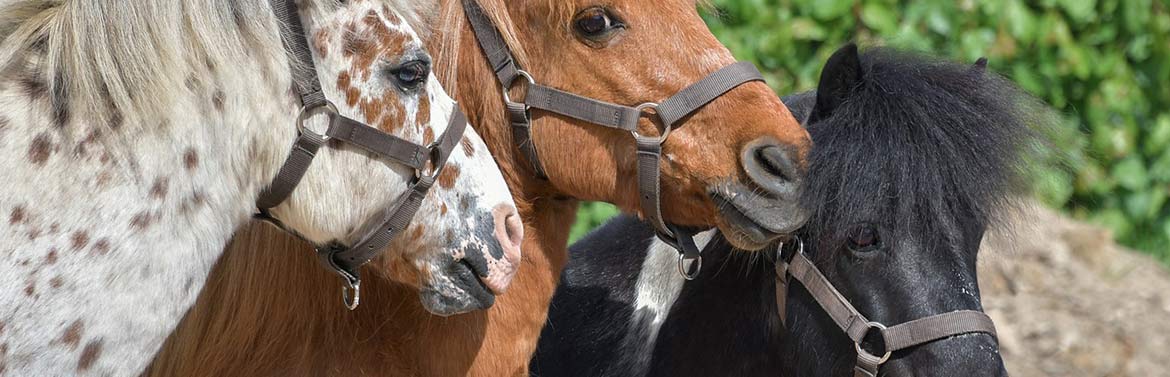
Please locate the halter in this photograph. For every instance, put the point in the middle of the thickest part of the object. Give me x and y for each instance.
(427, 161)
(856, 326)
(670, 112)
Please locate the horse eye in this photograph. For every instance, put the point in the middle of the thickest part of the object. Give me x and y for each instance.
(864, 239)
(596, 23)
(412, 74)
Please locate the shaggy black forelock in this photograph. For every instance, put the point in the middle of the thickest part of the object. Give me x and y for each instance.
(919, 144)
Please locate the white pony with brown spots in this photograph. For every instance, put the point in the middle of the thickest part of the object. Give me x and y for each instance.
(135, 137)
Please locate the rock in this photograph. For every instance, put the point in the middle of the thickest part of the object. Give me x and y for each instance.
(1068, 301)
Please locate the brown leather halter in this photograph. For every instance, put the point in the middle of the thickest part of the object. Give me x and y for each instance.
(427, 161)
(856, 326)
(670, 112)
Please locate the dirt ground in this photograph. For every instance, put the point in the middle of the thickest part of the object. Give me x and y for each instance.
(1068, 301)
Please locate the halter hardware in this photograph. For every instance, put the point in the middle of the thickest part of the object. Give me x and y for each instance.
(519, 73)
(856, 326)
(427, 161)
(326, 107)
(649, 149)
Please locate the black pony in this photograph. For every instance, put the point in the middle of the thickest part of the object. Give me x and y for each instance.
(914, 160)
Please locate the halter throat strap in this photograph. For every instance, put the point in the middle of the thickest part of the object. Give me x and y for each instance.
(856, 326)
(649, 148)
(426, 161)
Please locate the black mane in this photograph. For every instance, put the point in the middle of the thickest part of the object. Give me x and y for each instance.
(934, 141)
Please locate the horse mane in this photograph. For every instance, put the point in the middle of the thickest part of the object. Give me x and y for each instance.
(943, 144)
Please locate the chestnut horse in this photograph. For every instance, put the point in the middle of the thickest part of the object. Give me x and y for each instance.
(735, 164)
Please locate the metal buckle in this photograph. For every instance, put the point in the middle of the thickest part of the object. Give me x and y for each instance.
(665, 132)
(519, 73)
(857, 345)
(356, 287)
(326, 108)
(432, 162)
(684, 263)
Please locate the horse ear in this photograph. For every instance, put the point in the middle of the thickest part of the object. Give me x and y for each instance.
(980, 65)
(842, 73)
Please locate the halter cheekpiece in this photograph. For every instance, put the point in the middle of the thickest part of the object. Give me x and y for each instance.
(670, 112)
(426, 160)
(796, 265)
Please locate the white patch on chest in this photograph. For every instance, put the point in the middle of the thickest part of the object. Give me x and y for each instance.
(660, 283)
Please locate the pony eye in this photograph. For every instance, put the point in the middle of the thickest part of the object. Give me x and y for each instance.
(412, 74)
(864, 239)
(596, 24)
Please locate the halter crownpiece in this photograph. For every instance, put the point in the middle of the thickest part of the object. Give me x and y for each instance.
(856, 326)
(377, 233)
(670, 112)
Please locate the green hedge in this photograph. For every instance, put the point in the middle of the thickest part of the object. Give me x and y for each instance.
(1105, 64)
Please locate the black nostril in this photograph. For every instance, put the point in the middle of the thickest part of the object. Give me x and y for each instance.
(775, 161)
(773, 167)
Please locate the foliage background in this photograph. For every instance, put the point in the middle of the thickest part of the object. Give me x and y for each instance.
(1104, 64)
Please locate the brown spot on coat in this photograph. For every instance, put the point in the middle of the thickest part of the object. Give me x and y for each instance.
(51, 258)
(17, 216)
(30, 289)
(190, 159)
(102, 246)
(141, 221)
(468, 149)
(159, 189)
(321, 42)
(79, 239)
(40, 149)
(89, 355)
(428, 136)
(448, 177)
(345, 85)
(56, 282)
(443, 209)
(417, 233)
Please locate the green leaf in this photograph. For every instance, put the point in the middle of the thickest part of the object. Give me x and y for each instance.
(879, 17)
(1131, 174)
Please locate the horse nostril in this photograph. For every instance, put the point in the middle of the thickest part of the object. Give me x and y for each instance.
(775, 161)
(773, 167)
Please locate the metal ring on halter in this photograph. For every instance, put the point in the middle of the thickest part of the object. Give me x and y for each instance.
(433, 160)
(857, 345)
(326, 108)
(519, 73)
(357, 294)
(641, 109)
(682, 268)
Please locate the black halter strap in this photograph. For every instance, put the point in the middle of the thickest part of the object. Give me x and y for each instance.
(427, 161)
(856, 326)
(670, 112)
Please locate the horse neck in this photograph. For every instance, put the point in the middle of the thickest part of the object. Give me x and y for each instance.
(114, 226)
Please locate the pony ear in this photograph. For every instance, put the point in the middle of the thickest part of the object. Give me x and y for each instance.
(980, 65)
(842, 73)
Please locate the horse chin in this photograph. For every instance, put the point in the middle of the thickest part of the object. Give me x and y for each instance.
(752, 221)
(456, 290)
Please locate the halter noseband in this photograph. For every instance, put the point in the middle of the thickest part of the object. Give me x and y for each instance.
(670, 112)
(427, 161)
(856, 326)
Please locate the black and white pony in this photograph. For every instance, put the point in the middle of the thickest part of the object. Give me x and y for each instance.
(914, 160)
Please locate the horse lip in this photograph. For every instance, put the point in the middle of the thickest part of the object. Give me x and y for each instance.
(745, 226)
(761, 218)
(472, 294)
